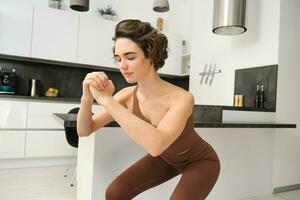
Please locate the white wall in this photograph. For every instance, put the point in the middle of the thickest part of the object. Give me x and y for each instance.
(246, 155)
(176, 21)
(257, 47)
(287, 142)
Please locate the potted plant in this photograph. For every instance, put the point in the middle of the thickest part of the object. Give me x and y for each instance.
(107, 12)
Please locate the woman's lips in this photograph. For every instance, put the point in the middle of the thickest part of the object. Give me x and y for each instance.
(127, 74)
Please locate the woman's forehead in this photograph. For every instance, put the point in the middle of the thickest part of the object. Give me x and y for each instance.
(125, 45)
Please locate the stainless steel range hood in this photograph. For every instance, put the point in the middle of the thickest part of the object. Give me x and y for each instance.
(229, 17)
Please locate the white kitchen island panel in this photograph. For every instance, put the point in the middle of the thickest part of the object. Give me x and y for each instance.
(102, 157)
(246, 163)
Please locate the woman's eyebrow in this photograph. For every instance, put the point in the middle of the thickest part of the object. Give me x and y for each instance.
(125, 54)
(128, 53)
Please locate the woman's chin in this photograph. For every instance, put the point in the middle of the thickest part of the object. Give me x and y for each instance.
(130, 81)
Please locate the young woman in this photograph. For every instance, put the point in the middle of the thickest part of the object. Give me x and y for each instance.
(155, 114)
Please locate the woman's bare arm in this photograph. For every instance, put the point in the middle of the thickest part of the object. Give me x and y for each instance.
(153, 139)
(88, 123)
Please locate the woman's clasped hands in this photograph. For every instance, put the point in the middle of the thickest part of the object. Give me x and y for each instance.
(96, 85)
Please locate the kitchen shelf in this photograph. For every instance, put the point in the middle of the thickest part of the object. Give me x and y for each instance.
(248, 109)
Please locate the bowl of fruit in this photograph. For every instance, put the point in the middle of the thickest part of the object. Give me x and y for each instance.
(51, 92)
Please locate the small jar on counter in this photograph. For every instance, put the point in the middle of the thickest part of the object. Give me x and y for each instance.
(238, 100)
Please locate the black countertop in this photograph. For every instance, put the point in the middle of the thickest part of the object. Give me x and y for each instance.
(70, 120)
(41, 98)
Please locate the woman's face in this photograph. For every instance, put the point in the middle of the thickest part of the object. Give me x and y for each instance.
(131, 60)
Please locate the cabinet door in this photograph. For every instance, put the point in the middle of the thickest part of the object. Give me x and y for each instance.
(173, 63)
(12, 144)
(55, 34)
(47, 144)
(40, 114)
(13, 114)
(95, 41)
(16, 26)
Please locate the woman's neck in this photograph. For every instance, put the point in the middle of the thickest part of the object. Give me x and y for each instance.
(151, 86)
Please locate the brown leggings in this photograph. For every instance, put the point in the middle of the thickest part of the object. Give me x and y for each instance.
(197, 180)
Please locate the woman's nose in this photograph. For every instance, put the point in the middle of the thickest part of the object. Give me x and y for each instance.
(123, 65)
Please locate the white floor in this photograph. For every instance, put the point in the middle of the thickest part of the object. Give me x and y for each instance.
(292, 195)
(49, 183)
(45, 183)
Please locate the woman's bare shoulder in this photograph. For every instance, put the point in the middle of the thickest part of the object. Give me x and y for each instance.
(124, 95)
(125, 91)
(180, 95)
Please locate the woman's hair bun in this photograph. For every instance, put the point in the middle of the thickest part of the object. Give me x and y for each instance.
(153, 43)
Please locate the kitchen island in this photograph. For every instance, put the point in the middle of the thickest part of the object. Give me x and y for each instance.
(69, 120)
(246, 161)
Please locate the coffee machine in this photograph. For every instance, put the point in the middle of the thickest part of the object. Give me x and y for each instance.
(7, 81)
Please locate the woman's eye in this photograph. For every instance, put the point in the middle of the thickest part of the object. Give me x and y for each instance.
(117, 60)
(130, 58)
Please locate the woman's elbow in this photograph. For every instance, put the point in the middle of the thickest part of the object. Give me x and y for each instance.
(157, 149)
(83, 133)
(154, 153)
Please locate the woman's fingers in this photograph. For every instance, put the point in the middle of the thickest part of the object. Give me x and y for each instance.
(103, 78)
(98, 78)
(97, 84)
(91, 82)
(95, 78)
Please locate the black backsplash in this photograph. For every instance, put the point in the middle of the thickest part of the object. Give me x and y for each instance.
(207, 113)
(247, 79)
(67, 79)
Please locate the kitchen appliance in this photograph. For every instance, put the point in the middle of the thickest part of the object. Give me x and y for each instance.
(7, 81)
(34, 87)
(229, 17)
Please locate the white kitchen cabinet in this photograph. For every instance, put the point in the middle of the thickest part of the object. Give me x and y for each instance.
(173, 64)
(45, 142)
(41, 143)
(95, 41)
(12, 144)
(29, 130)
(13, 114)
(40, 114)
(16, 25)
(55, 34)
